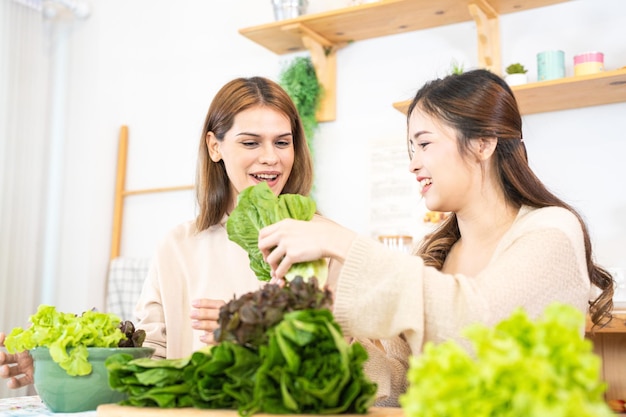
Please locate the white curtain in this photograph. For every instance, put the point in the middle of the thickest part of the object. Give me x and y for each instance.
(33, 61)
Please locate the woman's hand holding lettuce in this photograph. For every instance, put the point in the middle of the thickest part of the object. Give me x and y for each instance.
(258, 207)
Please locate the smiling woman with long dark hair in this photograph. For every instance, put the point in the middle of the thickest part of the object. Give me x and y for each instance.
(508, 243)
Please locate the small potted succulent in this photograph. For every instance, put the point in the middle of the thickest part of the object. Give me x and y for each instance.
(516, 74)
(456, 67)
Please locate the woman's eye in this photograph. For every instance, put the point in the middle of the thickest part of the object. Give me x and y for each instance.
(249, 144)
(423, 144)
(283, 143)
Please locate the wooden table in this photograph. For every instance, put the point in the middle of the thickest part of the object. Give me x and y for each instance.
(610, 344)
(31, 406)
(114, 410)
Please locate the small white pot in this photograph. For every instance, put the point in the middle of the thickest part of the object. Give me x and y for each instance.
(516, 79)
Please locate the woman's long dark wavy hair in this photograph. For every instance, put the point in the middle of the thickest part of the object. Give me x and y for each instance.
(213, 190)
(478, 104)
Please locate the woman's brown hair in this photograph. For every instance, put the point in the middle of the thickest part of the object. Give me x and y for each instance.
(213, 190)
(478, 104)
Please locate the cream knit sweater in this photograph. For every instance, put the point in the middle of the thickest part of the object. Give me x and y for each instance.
(189, 265)
(382, 294)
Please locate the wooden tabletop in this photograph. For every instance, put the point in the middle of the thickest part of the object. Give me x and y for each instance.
(114, 410)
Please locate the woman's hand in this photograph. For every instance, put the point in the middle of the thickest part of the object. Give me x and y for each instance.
(204, 316)
(291, 241)
(16, 368)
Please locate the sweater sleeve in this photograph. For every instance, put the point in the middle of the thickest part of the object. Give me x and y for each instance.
(381, 293)
(149, 314)
(387, 365)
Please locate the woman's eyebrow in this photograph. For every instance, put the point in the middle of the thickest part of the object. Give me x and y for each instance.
(421, 132)
(257, 135)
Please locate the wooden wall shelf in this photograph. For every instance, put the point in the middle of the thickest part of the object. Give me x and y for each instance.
(607, 87)
(372, 20)
(324, 33)
(617, 325)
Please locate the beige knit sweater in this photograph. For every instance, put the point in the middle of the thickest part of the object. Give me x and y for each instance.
(189, 265)
(382, 294)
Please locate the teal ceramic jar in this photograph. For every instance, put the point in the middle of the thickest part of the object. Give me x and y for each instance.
(550, 65)
(63, 393)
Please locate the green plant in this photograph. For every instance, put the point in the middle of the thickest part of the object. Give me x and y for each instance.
(456, 67)
(299, 80)
(516, 68)
(68, 336)
(280, 352)
(519, 367)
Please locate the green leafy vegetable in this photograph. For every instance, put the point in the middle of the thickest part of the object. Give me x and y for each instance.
(164, 383)
(520, 368)
(279, 351)
(309, 368)
(67, 336)
(227, 378)
(258, 207)
(134, 337)
(247, 319)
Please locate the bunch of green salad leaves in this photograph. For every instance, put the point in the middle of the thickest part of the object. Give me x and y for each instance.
(280, 351)
(520, 367)
(258, 207)
(67, 336)
(279, 348)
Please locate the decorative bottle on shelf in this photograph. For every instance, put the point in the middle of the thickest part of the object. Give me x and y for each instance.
(288, 9)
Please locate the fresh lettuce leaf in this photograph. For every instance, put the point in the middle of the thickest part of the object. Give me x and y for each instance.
(67, 336)
(302, 364)
(309, 368)
(519, 367)
(258, 207)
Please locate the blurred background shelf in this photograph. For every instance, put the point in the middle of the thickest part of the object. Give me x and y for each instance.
(371, 20)
(322, 34)
(607, 87)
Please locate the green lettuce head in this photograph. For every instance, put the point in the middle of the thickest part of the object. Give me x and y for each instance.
(258, 207)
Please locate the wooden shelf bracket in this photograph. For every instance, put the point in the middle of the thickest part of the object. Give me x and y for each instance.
(488, 31)
(324, 58)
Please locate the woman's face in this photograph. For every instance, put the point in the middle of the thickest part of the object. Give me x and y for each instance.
(446, 179)
(258, 147)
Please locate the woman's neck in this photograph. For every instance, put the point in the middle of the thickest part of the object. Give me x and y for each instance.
(487, 221)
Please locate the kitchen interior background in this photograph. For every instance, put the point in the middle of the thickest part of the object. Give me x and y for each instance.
(155, 66)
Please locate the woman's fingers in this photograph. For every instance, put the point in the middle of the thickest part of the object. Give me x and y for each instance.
(205, 316)
(19, 381)
(281, 245)
(204, 308)
(6, 358)
(277, 281)
(17, 369)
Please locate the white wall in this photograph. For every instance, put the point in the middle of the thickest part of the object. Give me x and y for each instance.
(155, 66)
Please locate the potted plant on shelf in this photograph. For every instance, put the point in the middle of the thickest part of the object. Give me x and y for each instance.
(456, 67)
(299, 80)
(516, 74)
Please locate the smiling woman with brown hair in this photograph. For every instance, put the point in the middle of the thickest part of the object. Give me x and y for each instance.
(252, 133)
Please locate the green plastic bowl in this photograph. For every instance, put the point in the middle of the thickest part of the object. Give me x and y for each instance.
(63, 393)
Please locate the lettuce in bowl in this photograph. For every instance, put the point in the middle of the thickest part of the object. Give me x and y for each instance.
(67, 336)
